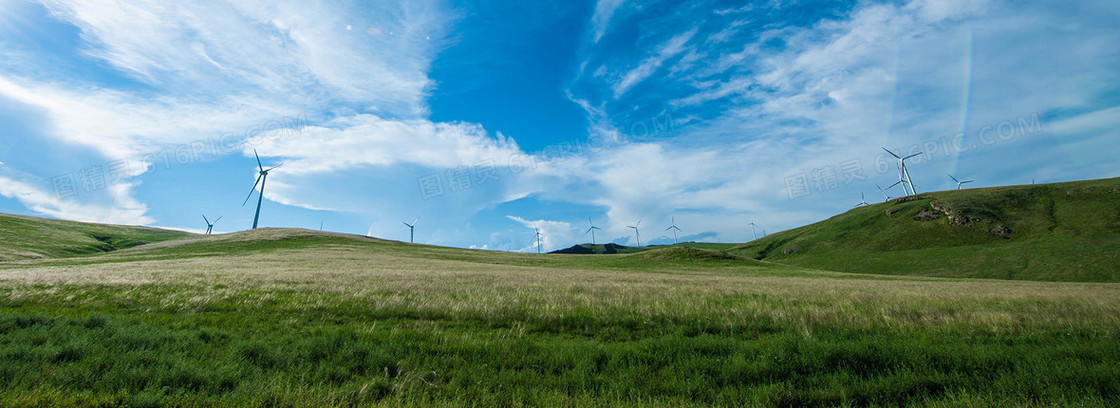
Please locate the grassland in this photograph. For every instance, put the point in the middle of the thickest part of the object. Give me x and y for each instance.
(301, 318)
(1054, 232)
(37, 238)
(100, 316)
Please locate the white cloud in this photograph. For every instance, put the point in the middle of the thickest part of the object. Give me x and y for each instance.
(600, 21)
(285, 48)
(367, 140)
(123, 211)
(648, 66)
(554, 234)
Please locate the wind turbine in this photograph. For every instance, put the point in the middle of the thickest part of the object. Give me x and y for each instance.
(591, 230)
(538, 240)
(959, 183)
(754, 230)
(674, 229)
(411, 229)
(262, 177)
(862, 201)
(903, 172)
(885, 196)
(636, 232)
(210, 225)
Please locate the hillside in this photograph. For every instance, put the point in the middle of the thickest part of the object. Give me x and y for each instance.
(24, 237)
(1055, 232)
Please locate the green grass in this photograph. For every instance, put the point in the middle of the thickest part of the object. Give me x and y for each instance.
(307, 319)
(34, 238)
(1059, 232)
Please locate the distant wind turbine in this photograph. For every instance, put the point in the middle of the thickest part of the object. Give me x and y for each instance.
(539, 241)
(674, 229)
(636, 232)
(903, 172)
(262, 177)
(210, 225)
(754, 230)
(862, 201)
(959, 183)
(885, 196)
(591, 230)
(411, 229)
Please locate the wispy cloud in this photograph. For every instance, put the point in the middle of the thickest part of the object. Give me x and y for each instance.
(122, 210)
(600, 21)
(671, 48)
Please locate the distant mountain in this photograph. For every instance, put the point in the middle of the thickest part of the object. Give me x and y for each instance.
(599, 249)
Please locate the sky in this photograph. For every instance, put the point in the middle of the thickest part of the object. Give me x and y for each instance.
(489, 119)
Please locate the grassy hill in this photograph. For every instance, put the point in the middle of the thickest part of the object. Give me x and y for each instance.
(34, 238)
(1055, 232)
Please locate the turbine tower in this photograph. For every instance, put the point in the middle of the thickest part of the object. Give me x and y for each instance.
(591, 230)
(862, 201)
(754, 230)
(210, 225)
(411, 229)
(903, 172)
(636, 232)
(538, 241)
(959, 183)
(674, 229)
(262, 177)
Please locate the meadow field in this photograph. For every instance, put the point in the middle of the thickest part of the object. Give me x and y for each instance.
(305, 319)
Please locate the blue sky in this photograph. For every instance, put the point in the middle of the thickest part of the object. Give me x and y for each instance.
(489, 119)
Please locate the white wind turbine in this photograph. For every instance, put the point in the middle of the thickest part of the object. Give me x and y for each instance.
(959, 183)
(862, 201)
(262, 178)
(591, 230)
(674, 229)
(885, 196)
(636, 232)
(412, 230)
(754, 230)
(903, 172)
(539, 240)
(210, 225)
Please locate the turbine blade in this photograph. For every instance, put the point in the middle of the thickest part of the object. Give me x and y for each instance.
(969, 181)
(891, 153)
(588, 231)
(915, 154)
(895, 184)
(204, 218)
(954, 178)
(258, 159)
(416, 221)
(216, 221)
(252, 191)
(274, 167)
